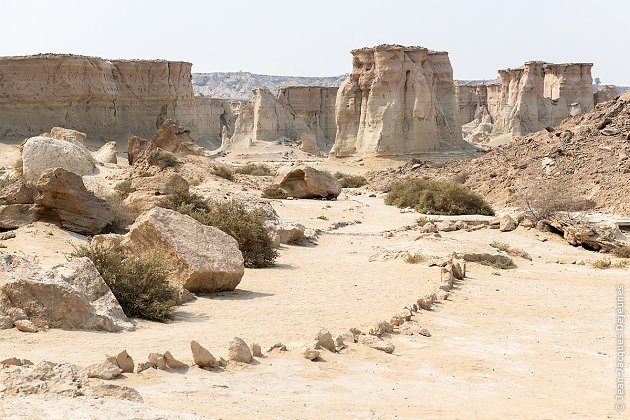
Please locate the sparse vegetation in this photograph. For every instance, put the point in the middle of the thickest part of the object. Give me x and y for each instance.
(461, 177)
(547, 199)
(223, 171)
(138, 283)
(436, 197)
(255, 170)
(622, 252)
(350, 181)
(602, 263)
(273, 191)
(514, 252)
(162, 159)
(498, 264)
(18, 168)
(231, 216)
(123, 188)
(416, 258)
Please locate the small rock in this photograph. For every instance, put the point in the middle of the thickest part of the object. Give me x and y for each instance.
(442, 295)
(311, 353)
(429, 227)
(339, 344)
(141, 367)
(278, 346)
(355, 333)
(125, 362)
(347, 337)
(507, 224)
(325, 340)
(377, 343)
(425, 332)
(158, 360)
(201, 356)
(410, 328)
(5, 323)
(11, 361)
(256, 350)
(118, 392)
(105, 370)
(239, 351)
(381, 328)
(222, 362)
(25, 325)
(172, 362)
(426, 302)
(461, 225)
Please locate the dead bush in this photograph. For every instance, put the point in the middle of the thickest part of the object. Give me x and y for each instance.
(553, 198)
(255, 170)
(222, 171)
(273, 191)
(350, 181)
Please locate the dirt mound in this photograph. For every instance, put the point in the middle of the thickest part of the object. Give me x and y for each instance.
(587, 157)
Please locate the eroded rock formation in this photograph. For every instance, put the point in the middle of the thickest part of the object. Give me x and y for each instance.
(303, 114)
(215, 120)
(104, 98)
(397, 101)
(527, 99)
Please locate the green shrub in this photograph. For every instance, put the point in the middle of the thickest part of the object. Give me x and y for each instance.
(255, 169)
(138, 283)
(162, 159)
(273, 191)
(230, 216)
(436, 197)
(350, 181)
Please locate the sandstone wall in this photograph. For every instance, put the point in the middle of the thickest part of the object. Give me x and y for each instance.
(397, 101)
(215, 119)
(103, 98)
(541, 94)
(296, 113)
(472, 100)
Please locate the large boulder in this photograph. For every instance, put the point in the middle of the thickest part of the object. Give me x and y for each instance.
(305, 182)
(201, 258)
(170, 137)
(597, 236)
(67, 134)
(42, 153)
(72, 295)
(108, 153)
(16, 215)
(65, 198)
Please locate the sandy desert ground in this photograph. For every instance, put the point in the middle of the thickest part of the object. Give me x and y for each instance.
(537, 341)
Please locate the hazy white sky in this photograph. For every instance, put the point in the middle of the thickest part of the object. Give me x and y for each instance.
(314, 38)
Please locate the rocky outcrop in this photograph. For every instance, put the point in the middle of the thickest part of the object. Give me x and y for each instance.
(64, 198)
(305, 182)
(303, 114)
(527, 99)
(605, 93)
(108, 99)
(200, 258)
(108, 153)
(69, 296)
(170, 137)
(397, 101)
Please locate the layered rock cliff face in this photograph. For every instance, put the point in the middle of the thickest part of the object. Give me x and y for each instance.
(397, 101)
(296, 113)
(605, 93)
(104, 98)
(527, 99)
(215, 119)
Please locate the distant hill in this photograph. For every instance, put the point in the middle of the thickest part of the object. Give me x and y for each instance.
(239, 85)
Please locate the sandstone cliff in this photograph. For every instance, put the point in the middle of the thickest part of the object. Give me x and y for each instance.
(397, 101)
(296, 113)
(103, 98)
(215, 120)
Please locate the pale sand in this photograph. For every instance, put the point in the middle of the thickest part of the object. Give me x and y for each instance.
(535, 342)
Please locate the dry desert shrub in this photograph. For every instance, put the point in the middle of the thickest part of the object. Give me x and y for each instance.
(162, 159)
(436, 197)
(416, 258)
(514, 252)
(273, 191)
(553, 198)
(222, 171)
(622, 251)
(230, 216)
(138, 283)
(255, 170)
(350, 181)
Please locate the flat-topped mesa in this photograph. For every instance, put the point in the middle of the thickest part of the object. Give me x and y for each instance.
(296, 113)
(397, 101)
(540, 95)
(104, 98)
